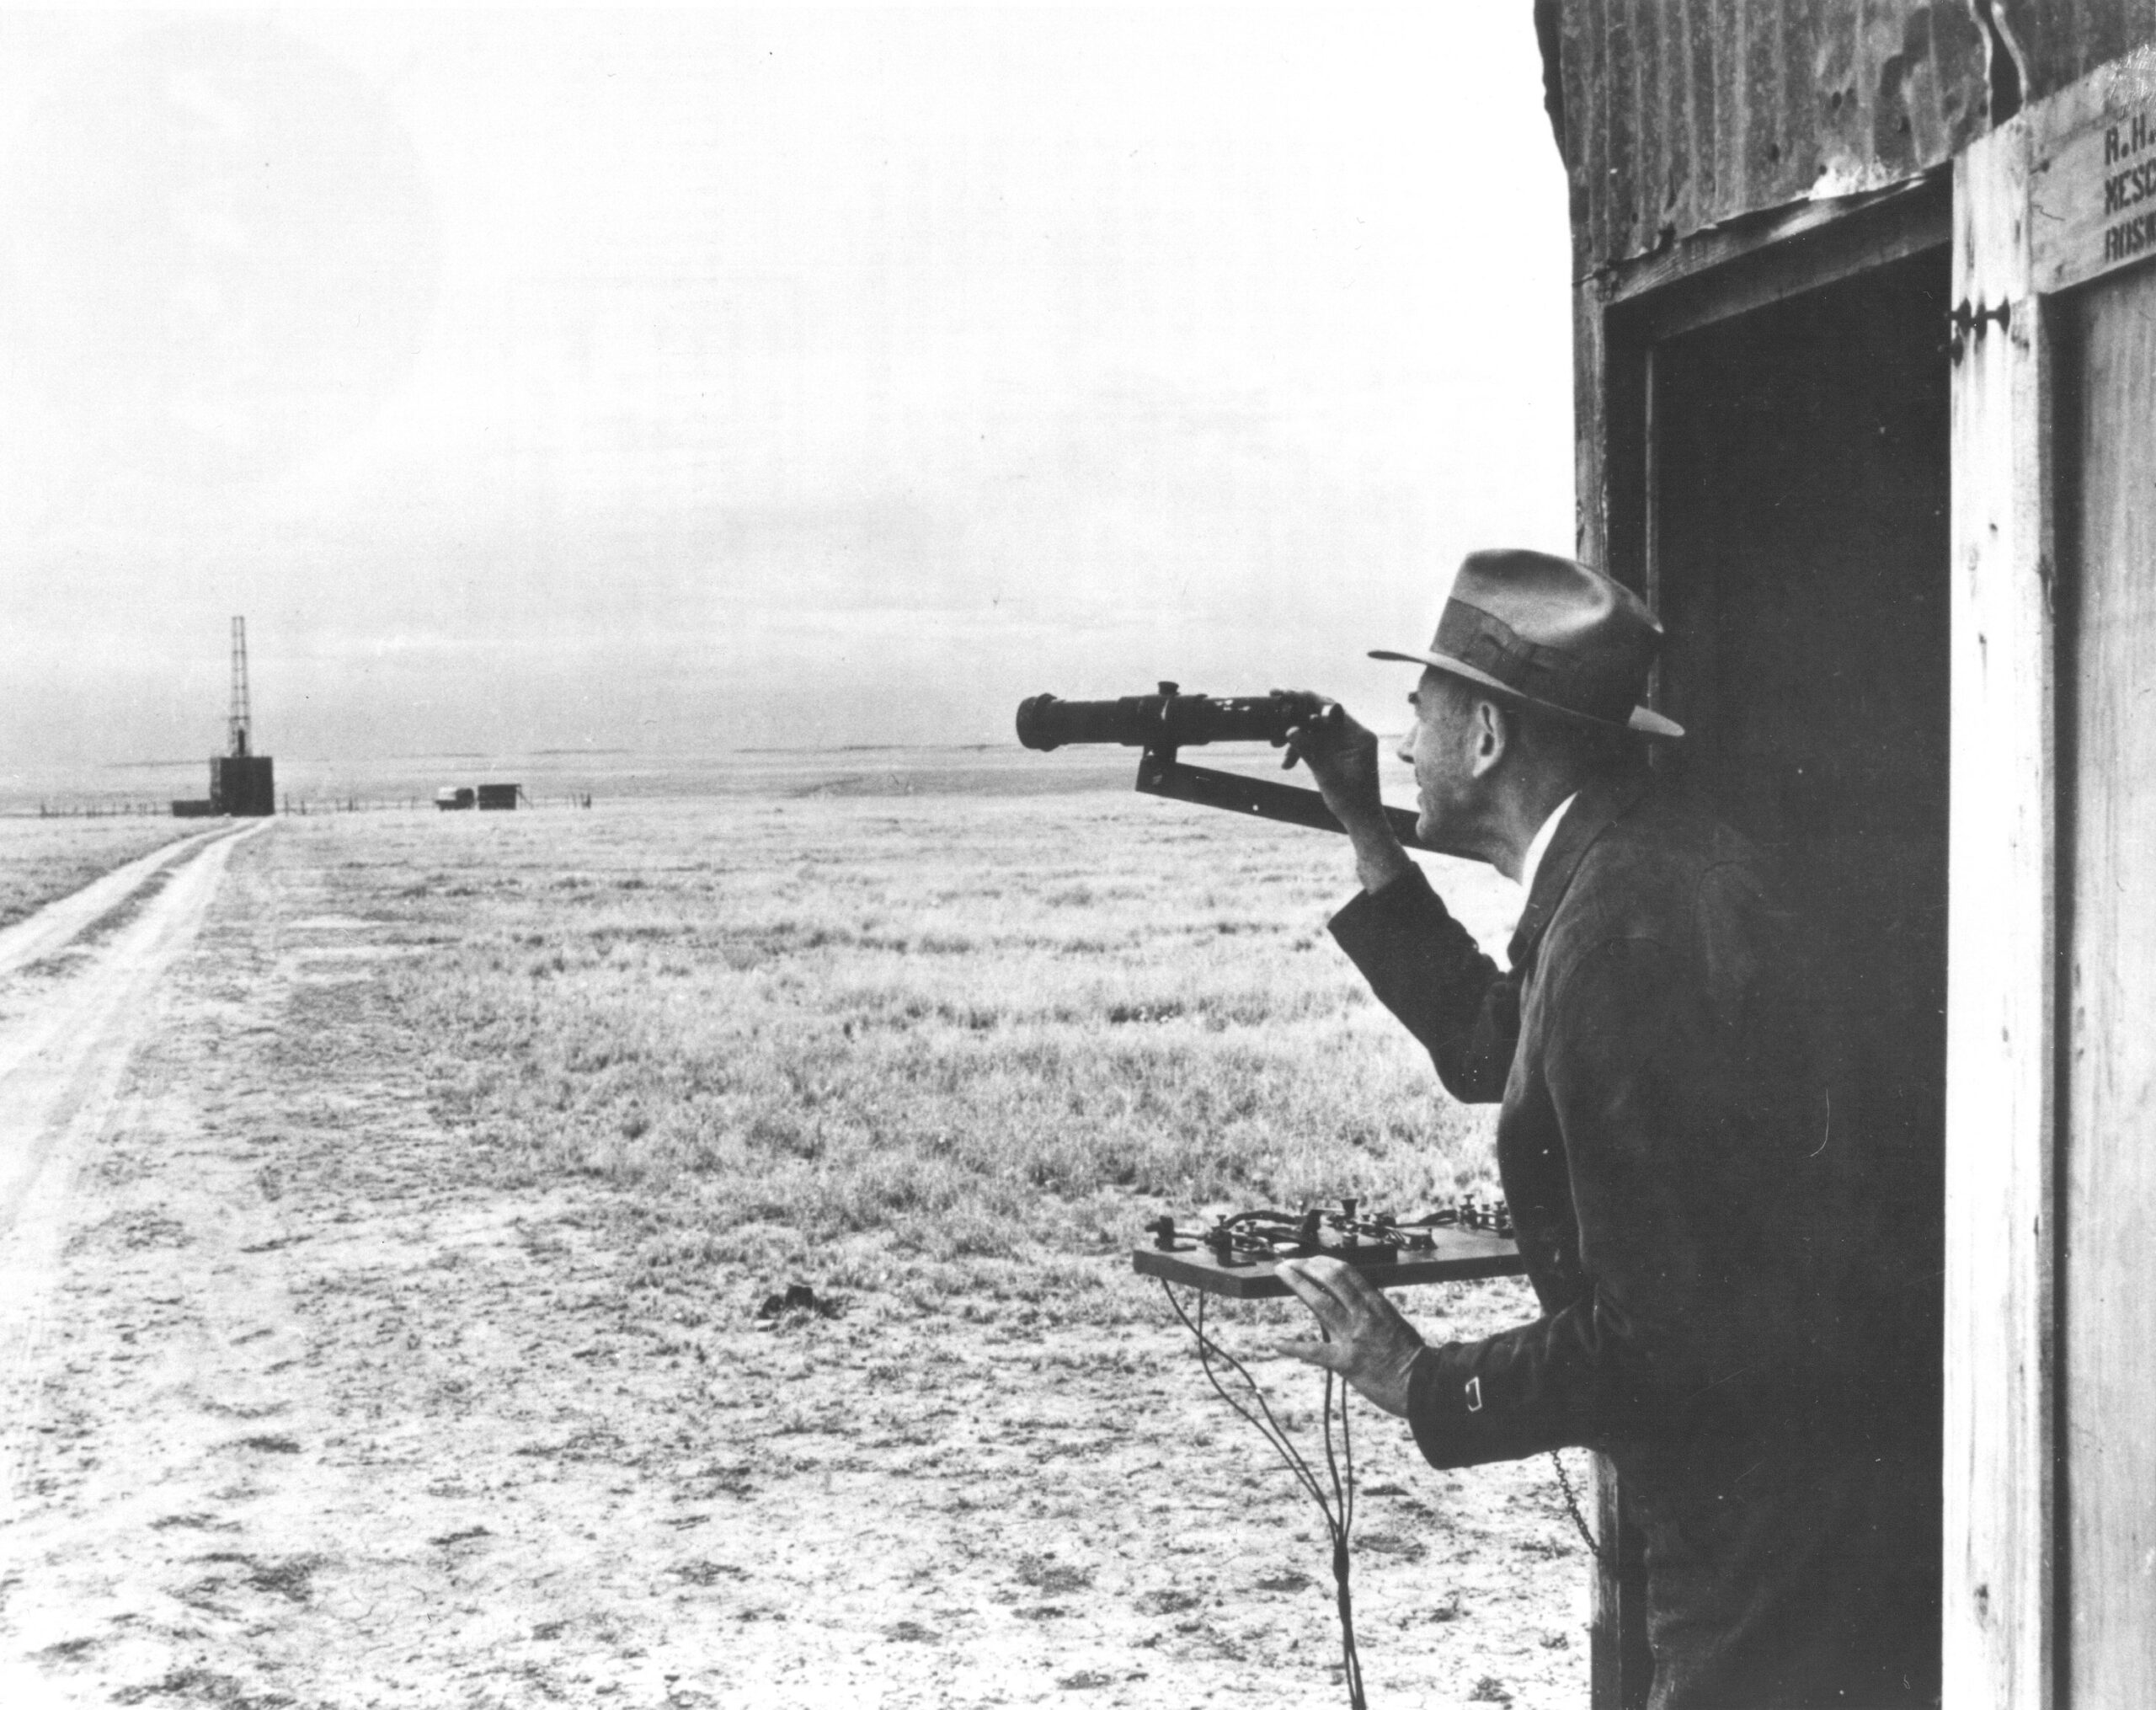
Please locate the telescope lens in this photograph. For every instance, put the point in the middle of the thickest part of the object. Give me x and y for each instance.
(1033, 721)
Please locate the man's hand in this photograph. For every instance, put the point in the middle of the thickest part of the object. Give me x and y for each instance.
(1368, 1343)
(1342, 757)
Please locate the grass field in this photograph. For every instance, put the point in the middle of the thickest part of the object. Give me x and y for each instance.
(959, 1048)
(41, 859)
(470, 1147)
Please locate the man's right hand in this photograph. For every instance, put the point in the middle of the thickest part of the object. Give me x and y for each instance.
(1342, 757)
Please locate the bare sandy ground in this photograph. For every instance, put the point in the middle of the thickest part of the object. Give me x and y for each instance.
(297, 1408)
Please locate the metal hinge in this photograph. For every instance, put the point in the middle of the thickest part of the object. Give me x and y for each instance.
(1968, 324)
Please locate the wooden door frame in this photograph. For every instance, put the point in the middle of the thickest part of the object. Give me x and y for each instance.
(2029, 224)
(1998, 1587)
(1619, 316)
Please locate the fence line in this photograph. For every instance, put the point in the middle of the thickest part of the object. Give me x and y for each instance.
(299, 807)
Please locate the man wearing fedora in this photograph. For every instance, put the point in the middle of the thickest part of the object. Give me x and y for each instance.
(1683, 1149)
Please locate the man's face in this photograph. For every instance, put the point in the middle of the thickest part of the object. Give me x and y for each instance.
(1438, 746)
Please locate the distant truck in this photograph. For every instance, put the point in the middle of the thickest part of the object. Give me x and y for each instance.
(489, 797)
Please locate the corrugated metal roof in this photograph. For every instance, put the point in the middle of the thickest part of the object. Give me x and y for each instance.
(1679, 115)
(2060, 40)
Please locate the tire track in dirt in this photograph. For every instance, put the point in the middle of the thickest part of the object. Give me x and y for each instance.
(308, 1427)
(61, 1066)
(54, 926)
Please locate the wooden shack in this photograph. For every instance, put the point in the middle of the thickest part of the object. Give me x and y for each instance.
(1866, 341)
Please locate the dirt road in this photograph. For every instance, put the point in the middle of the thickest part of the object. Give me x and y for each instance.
(306, 1405)
(86, 968)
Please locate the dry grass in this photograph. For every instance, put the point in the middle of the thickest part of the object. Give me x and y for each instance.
(941, 1057)
(944, 1046)
(41, 859)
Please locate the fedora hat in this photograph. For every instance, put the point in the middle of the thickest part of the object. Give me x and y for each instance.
(1549, 633)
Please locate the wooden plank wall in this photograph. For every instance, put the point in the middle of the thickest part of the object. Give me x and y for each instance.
(2000, 1588)
(2109, 1212)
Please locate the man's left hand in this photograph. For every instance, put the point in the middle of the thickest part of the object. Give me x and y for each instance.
(1368, 1343)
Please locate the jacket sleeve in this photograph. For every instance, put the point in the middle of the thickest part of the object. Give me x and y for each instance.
(1668, 1322)
(1426, 968)
(1676, 1322)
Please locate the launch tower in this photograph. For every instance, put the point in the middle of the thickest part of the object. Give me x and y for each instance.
(241, 782)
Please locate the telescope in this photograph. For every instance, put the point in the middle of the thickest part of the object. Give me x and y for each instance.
(1158, 724)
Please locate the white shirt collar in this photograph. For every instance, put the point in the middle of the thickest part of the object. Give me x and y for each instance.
(1540, 846)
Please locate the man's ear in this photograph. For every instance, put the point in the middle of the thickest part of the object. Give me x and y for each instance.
(1490, 737)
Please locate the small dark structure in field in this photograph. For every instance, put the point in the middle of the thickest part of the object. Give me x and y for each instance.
(186, 809)
(243, 785)
(487, 798)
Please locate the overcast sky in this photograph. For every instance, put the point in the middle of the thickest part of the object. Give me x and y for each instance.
(685, 380)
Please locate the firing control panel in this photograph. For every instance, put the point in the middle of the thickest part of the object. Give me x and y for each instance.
(1468, 1239)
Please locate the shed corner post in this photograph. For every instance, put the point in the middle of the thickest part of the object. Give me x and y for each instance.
(1608, 437)
(1999, 1587)
(1590, 421)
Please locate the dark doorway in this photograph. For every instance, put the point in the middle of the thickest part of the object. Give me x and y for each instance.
(1800, 561)
(1799, 554)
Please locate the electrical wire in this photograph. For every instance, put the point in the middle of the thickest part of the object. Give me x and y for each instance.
(1338, 1508)
(1343, 1491)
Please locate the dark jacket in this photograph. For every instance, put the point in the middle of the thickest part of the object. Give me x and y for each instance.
(1685, 1156)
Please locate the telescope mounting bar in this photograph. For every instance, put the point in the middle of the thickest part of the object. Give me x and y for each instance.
(1160, 773)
